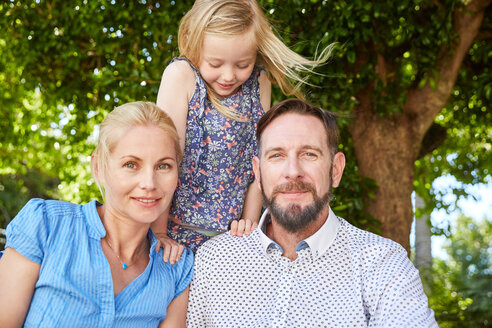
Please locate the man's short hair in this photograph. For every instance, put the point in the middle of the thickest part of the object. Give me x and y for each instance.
(301, 107)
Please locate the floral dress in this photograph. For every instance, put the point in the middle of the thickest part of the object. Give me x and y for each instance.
(217, 168)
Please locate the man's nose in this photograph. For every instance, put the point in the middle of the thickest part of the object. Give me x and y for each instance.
(293, 168)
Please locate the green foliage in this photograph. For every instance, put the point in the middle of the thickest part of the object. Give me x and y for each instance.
(466, 151)
(64, 65)
(462, 290)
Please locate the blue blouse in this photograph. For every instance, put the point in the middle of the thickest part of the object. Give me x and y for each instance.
(75, 287)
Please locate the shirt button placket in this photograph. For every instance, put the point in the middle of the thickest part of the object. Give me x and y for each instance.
(284, 295)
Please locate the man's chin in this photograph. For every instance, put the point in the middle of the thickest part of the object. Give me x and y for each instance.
(287, 204)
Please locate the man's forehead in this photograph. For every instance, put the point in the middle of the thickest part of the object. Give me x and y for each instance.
(293, 129)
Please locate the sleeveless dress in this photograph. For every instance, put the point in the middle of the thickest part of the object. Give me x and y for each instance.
(217, 168)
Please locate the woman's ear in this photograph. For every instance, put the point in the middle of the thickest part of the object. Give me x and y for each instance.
(95, 169)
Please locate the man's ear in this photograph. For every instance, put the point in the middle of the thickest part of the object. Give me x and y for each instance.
(338, 166)
(256, 170)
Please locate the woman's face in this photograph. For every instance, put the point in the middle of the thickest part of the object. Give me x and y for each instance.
(142, 174)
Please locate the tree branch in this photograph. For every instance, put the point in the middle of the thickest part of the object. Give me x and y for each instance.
(424, 104)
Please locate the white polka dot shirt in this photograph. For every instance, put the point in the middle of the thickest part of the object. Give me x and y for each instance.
(342, 277)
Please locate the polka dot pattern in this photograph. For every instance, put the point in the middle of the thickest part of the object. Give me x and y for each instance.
(362, 280)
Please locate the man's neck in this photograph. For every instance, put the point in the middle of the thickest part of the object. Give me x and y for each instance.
(289, 240)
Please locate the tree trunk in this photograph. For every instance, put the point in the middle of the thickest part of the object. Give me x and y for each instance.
(386, 146)
(423, 250)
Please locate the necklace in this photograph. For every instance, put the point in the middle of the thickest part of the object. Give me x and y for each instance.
(123, 264)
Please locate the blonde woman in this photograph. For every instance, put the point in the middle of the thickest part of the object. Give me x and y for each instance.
(215, 93)
(95, 265)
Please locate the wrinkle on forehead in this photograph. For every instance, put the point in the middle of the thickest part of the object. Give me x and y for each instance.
(293, 130)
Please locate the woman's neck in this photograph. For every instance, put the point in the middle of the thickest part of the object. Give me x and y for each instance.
(125, 236)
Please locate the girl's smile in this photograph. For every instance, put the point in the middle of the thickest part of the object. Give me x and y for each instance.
(227, 62)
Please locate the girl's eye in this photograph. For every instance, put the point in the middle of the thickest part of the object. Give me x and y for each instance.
(243, 66)
(130, 165)
(214, 65)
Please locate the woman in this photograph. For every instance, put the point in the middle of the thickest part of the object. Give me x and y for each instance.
(86, 265)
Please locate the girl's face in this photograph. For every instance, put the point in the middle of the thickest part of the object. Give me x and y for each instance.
(227, 62)
(142, 174)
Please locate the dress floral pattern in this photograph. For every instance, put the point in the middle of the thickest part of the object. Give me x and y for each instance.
(216, 169)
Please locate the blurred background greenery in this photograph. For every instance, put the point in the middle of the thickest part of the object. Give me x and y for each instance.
(412, 78)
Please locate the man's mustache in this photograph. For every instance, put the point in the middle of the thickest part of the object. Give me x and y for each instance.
(294, 186)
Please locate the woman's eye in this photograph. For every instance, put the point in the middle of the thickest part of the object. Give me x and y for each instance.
(130, 165)
(164, 166)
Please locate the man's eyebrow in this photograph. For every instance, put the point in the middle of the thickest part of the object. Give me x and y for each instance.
(273, 149)
(311, 147)
(303, 147)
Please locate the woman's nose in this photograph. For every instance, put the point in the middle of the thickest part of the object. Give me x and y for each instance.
(147, 179)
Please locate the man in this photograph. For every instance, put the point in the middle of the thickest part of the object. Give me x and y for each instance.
(303, 266)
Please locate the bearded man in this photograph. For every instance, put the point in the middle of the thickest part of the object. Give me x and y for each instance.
(303, 266)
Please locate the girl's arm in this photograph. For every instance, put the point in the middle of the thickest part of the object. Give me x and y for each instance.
(265, 91)
(251, 212)
(171, 249)
(18, 277)
(176, 311)
(175, 91)
(253, 201)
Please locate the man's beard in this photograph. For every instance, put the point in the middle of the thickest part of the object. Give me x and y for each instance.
(295, 218)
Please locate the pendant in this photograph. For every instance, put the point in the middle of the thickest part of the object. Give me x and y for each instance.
(124, 266)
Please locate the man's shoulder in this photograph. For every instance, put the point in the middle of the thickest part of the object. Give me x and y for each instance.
(226, 246)
(362, 241)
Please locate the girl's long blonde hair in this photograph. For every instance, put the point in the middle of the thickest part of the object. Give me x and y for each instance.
(234, 17)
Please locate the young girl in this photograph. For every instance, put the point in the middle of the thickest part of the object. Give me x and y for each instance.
(215, 93)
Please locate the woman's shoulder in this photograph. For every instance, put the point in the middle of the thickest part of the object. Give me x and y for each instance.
(49, 207)
(49, 213)
(31, 230)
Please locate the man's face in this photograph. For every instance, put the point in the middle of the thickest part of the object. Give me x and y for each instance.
(296, 172)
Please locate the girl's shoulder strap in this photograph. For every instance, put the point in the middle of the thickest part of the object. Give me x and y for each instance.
(252, 82)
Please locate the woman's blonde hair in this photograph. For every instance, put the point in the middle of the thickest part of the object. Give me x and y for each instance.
(235, 17)
(120, 120)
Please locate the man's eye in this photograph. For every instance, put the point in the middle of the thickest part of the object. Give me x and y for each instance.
(310, 155)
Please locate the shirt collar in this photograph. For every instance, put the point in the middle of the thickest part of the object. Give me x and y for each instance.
(96, 228)
(319, 242)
